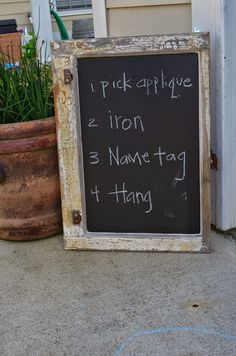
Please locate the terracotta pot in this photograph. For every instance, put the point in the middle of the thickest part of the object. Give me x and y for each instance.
(30, 206)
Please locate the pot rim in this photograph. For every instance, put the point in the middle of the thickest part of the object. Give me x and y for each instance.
(25, 129)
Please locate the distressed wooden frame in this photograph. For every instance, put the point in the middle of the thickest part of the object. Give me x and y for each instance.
(64, 56)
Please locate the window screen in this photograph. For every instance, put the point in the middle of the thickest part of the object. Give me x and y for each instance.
(63, 5)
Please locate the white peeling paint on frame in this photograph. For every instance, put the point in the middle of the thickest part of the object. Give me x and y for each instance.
(69, 145)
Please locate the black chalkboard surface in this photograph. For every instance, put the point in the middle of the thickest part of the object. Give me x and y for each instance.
(140, 139)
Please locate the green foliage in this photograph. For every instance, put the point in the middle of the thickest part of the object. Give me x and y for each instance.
(26, 90)
(29, 49)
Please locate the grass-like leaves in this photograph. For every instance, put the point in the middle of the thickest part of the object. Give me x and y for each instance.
(26, 90)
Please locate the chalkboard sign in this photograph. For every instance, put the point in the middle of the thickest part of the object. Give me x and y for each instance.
(139, 116)
(140, 135)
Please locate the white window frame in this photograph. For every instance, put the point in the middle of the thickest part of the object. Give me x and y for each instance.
(72, 12)
(100, 18)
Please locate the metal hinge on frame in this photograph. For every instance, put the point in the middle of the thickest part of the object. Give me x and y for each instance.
(214, 161)
(76, 217)
(68, 76)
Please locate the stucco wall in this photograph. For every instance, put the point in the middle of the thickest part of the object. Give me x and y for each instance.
(138, 17)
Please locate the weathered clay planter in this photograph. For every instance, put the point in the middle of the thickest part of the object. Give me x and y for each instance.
(30, 206)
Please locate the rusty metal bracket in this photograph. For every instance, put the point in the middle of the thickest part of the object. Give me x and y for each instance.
(76, 217)
(68, 76)
(214, 161)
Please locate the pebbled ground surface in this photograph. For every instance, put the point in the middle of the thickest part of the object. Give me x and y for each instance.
(55, 302)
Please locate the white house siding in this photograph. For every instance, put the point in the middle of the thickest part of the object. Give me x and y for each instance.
(21, 10)
(139, 17)
(16, 9)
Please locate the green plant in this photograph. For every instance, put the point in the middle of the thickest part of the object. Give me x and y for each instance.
(26, 89)
(29, 49)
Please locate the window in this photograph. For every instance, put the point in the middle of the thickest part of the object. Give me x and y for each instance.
(73, 5)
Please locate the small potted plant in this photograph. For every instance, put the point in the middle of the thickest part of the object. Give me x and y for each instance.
(29, 180)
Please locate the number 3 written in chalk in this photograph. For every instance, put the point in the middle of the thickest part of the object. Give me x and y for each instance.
(94, 157)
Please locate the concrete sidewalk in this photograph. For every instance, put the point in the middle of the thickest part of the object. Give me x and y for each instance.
(57, 303)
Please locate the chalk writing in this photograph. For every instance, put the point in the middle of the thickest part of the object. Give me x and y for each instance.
(125, 159)
(95, 192)
(172, 157)
(122, 195)
(137, 158)
(118, 122)
(150, 86)
(94, 158)
(120, 84)
(200, 331)
(92, 122)
(140, 143)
